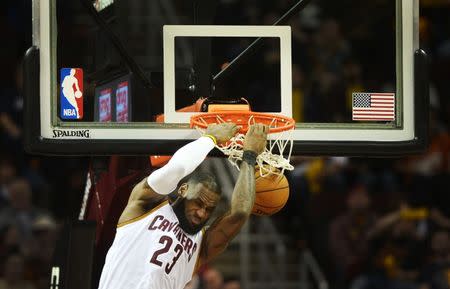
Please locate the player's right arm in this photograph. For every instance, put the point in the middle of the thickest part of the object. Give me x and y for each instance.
(153, 189)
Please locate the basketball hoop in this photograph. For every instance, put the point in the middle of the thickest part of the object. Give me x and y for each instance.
(278, 152)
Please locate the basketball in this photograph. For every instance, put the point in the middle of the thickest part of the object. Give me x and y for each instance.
(78, 94)
(272, 193)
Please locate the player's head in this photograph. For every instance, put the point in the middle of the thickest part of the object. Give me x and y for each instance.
(72, 72)
(198, 197)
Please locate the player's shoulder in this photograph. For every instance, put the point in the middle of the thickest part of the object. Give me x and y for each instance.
(134, 212)
(154, 206)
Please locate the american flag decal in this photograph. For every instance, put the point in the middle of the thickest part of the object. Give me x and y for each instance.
(373, 106)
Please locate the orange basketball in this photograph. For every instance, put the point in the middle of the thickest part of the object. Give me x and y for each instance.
(272, 193)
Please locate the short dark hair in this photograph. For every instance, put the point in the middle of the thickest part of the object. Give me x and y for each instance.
(207, 179)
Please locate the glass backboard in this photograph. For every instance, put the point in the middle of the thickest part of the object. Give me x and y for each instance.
(124, 77)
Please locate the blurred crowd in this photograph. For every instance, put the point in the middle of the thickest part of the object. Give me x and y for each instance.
(211, 278)
(37, 194)
(371, 223)
(374, 223)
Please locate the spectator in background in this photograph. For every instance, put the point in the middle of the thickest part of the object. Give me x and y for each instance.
(438, 219)
(427, 174)
(212, 279)
(435, 160)
(348, 236)
(11, 107)
(20, 211)
(9, 241)
(232, 283)
(353, 79)
(436, 273)
(325, 101)
(39, 250)
(397, 246)
(331, 47)
(8, 172)
(13, 274)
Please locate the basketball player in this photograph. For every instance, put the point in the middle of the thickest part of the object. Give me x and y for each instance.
(159, 245)
(67, 85)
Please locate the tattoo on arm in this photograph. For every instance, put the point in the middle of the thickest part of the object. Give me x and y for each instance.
(224, 234)
(226, 227)
(244, 191)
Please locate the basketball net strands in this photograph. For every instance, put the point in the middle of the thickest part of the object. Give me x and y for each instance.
(275, 157)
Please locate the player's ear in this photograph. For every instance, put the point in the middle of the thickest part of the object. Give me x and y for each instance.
(182, 190)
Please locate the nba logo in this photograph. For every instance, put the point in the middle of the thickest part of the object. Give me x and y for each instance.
(71, 93)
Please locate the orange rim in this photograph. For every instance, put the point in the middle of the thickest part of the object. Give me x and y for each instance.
(276, 123)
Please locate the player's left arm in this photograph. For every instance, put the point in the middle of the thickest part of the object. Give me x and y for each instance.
(225, 228)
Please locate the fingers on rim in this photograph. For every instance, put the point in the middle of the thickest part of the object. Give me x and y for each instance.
(261, 128)
(251, 129)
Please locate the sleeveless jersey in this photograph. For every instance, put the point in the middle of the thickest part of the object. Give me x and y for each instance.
(151, 252)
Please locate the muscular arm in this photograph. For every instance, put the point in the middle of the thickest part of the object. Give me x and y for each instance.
(224, 229)
(152, 190)
(155, 188)
(227, 227)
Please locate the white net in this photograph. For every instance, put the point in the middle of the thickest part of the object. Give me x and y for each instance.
(276, 155)
(279, 160)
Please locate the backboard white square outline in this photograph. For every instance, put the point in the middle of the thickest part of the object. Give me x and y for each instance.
(172, 31)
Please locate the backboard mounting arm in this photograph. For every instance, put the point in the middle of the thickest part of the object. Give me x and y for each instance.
(247, 52)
